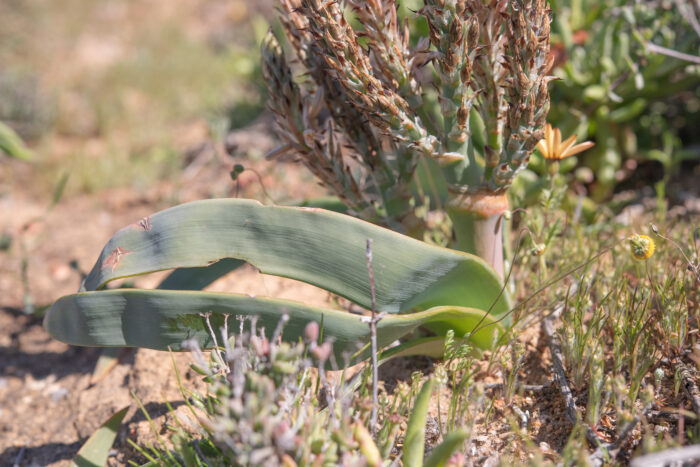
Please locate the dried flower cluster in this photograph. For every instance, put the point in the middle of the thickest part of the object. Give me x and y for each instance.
(371, 104)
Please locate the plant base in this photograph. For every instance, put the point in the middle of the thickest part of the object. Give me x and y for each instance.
(478, 225)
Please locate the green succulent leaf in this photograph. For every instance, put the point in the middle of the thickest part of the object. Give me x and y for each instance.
(318, 247)
(416, 284)
(414, 441)
(96, 449)
(162, 319)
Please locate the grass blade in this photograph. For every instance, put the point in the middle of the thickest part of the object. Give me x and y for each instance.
(95, 451)
(12, 144)
(414, 441)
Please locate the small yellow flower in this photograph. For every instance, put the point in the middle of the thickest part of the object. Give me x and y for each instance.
(552, 148)
(641, 246)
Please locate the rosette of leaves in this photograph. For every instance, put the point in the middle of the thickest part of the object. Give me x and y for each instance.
(415, 284)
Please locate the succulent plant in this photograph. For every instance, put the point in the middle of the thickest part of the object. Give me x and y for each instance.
(470, 96)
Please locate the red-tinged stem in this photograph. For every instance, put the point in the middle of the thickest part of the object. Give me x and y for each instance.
(476, 218)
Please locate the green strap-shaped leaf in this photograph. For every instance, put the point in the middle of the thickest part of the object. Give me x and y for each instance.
(318, 247)
(159, 319)
(95, 451)
(12, 144)
(201, 277)
(197, 279)
(441, 454)
(414, 441)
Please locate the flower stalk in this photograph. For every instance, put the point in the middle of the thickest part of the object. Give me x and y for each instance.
(472, 96)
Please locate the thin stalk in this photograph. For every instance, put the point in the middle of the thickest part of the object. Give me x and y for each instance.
(373, 338)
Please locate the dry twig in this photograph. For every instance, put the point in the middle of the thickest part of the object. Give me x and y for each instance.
(373, 337)
(689, 385)
(668, 457)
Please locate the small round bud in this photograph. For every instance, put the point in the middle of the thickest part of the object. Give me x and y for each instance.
(236, 171)
(641, 246)
(538, 249)
(311, 331)
(322, 352)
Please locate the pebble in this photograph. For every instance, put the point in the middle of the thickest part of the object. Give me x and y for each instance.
(58, 393)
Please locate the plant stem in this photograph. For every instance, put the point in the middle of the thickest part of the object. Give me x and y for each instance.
(373, 338)
(478, 225)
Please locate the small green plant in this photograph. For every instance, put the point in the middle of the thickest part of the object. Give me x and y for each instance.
(582, 333)
(266, 405)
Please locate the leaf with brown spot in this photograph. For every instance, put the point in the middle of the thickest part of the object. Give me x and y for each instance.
(145, 223)
(114, 258)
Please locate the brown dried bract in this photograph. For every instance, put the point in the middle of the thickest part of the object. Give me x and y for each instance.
(114, 258)
(145, 223)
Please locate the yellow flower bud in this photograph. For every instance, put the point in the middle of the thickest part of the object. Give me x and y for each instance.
(641, 246)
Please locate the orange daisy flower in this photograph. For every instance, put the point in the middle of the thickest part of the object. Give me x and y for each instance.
(552, 148)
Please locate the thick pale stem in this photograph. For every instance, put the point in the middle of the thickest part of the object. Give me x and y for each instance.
(478, 226)
(402, 212)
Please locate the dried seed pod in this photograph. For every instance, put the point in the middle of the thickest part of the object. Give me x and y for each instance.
(311, 331)
(466, 72)
(491, 156)
(456, 31)
(462, 116)
(473, 34)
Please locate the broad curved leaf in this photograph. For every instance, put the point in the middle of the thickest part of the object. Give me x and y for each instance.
(318, 247)
(200, 277)
(159, 319)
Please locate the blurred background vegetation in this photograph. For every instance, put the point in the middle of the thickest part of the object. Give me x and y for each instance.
(630, 76)
(115, 92)
(118, 92)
